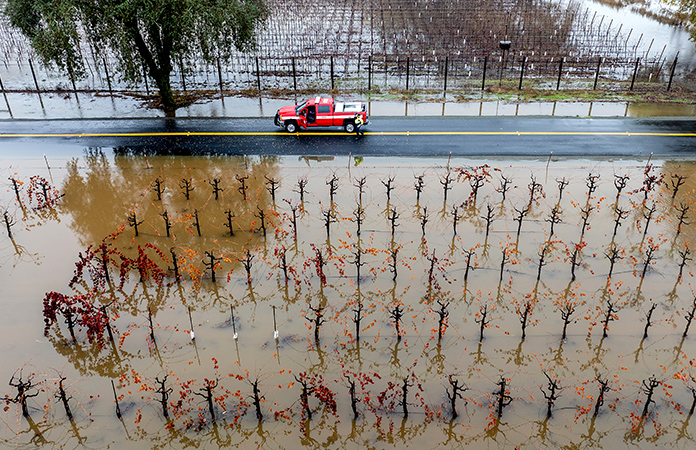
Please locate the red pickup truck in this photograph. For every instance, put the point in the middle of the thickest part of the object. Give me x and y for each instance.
(320, 112)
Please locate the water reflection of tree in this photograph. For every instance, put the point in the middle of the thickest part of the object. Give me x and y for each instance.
(91, 359)
(99, 196)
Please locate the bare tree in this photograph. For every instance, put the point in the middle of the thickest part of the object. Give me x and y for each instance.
(520, 217)
(504, 398)
(164, 392)
(620, 182)
(318, 320)
(424, 220)
(215, 184)
(393, 217)
(388, 185)
(418, 186)
(133, 222)
(483, 320)
(206, 392)
(186, 184)
(592, 184)
(333, 188)
(446, 183)
(603, 389)
(158, 187)
(457, 389)
(229, 215)
(648, 387)
(504, 186)
(488, 218)
(677, 181)
(23, 391)
(211, 263)
(242, 185)
(396, 313)
(361, 188)
(272, 187)
(167, 222)
(552, 395)
(648, 318)
(562, 184)
(301, 185)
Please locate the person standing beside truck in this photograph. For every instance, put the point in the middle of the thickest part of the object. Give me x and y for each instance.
(358, 126)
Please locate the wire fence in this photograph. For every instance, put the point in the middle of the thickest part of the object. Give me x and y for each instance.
(351, 45)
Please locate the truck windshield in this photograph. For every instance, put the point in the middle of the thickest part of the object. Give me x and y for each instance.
(298, 108)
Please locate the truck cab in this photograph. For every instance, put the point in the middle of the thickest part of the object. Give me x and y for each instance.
(321, 112)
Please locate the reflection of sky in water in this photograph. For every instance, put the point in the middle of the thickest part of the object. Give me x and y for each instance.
(676, 39)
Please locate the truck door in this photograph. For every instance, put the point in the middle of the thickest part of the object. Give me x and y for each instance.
(311, 115)
(324, 117)
(302, 118)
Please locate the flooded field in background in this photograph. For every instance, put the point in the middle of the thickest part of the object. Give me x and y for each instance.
(480, 274)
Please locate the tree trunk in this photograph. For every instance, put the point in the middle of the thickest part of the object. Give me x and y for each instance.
(159, 73)
(166, 95)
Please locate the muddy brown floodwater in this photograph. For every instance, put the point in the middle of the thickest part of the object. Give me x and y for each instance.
(515, 280)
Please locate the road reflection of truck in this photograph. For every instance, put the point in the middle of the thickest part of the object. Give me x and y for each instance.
(321, 112)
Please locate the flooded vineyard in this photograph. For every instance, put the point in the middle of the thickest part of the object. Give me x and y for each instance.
(154, 301)
(404, 45)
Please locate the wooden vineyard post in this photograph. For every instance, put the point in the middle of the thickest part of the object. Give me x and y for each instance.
(635, 71)
(108, 78)
(560, 72)
(294, 74)
(2, 88)
(596, 77)
(38, 91)
(219, 68)
(332, 72)
(671, 73)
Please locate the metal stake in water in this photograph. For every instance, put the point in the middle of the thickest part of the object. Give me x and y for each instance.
(234, 328)
(275, 327)
(193, 335)
(49, 168)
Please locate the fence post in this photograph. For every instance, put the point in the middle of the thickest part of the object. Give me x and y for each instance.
(294, 74)
(671, 72)
(369, 73)
(332, 74)
(524, 61)
(108, 78)
(596, 77)
(444, 89)
(147, 86)
(408, 63)
(258, 75)
(483, 82)
(72, 80)
(181, 69)
(635, 70)
(2, 88)
(36, 83)
(560, 71)
(219, 68)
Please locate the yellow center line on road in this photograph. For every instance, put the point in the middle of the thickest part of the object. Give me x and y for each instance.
(336, 133)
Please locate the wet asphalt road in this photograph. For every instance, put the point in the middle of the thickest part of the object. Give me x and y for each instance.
(530, 137)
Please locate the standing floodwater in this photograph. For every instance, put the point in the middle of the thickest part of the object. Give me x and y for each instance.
(249, 309)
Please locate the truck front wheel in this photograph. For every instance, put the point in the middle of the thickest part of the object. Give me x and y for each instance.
(291, 127)
(349, 127)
